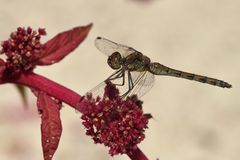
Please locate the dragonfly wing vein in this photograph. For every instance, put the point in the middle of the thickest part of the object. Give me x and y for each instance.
(143, 82)
(109, 47)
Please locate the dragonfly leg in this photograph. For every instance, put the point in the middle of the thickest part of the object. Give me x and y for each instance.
(123, 79)
(117, 75)
(130, 81)
(130, 85)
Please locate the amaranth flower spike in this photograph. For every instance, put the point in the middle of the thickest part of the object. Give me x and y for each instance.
(24, 50)
(118, 124)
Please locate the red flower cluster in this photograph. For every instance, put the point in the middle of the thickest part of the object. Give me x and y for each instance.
(22, 52)
(22, 49)
(118, 124)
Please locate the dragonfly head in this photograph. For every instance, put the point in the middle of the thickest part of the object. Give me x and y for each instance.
(115, 60)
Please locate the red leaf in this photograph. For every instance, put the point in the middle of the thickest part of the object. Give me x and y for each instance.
(2, 67)
(51, 127)
(62, 44)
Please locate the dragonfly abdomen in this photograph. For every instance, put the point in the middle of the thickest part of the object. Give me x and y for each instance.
(204, 79)
(159, 69)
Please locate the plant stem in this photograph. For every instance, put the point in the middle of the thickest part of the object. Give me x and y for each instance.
(137, 155)
(52, 88)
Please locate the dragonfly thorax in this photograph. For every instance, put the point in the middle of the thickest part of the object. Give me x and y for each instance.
(136, 62)
(133, 62)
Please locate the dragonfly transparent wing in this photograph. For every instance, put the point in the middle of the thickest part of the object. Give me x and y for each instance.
(142, 82)
(108, 47)
(99, 89)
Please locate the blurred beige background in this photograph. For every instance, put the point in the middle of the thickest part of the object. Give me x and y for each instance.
(192, 121)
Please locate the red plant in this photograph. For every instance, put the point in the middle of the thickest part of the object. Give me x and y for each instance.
(118, 124)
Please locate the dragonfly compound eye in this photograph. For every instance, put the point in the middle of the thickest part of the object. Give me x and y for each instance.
(115, 60)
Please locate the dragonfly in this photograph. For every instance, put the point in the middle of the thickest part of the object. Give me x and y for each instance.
(136, 71)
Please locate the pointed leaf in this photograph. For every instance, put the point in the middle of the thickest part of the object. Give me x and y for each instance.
(2, 67)
(51, 127)
(22, 90)
(62, 44)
